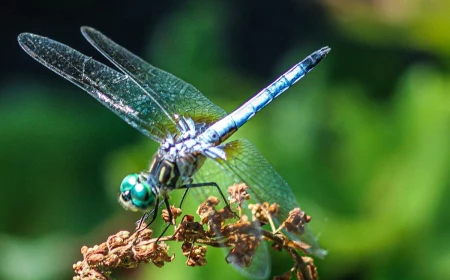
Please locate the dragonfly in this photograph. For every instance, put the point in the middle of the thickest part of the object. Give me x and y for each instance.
(191, 130)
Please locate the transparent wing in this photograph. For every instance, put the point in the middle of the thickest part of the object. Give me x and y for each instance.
(170, 92)
(111, 88)
(266, 185)
(246, 164)
(213, 171)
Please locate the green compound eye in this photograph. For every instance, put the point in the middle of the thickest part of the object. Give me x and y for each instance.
(136, 194)
(129, 182)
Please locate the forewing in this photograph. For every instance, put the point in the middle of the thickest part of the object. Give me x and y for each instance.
(111, 88)
(245, 164)
(249, 166)
(213, 171)
(168, 91)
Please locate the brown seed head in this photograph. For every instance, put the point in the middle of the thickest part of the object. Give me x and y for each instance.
(296, 221)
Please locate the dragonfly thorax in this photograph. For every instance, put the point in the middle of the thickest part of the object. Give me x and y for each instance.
(172, 166)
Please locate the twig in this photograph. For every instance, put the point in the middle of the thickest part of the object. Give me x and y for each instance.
(216, 228)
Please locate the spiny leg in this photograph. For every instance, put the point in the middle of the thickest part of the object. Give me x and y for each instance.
(187, 187)
(166, 202)
(200, 185)
(146, 215)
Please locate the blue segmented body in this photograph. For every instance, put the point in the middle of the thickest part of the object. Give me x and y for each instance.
(225, 127)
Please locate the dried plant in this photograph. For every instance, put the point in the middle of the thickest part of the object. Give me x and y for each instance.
(216, 228)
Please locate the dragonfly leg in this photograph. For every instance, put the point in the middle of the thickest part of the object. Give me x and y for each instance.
(166, 202)
(184, 195)
(144, 217)
(200, 185)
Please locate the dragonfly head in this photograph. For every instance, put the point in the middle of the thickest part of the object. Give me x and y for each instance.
(136, 194)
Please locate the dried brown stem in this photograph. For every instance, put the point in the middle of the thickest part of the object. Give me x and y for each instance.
(216, 228)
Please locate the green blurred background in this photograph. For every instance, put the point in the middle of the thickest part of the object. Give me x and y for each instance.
(363, 140)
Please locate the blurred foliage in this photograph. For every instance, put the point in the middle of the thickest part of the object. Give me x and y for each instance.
(363, 142)
(415, 24)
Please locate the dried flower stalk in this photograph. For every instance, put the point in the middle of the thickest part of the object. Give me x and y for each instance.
(216, 228)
